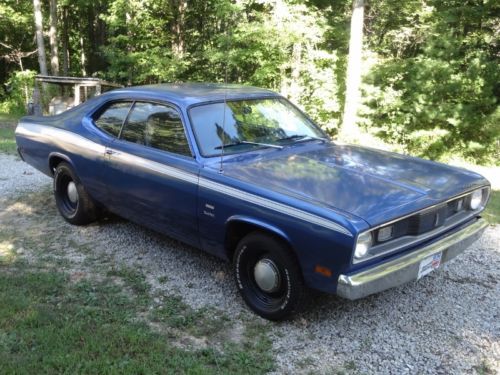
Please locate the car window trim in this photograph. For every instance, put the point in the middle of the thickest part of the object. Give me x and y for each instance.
(101, 110)
(126, 119)
(260, 97)
(165, 104)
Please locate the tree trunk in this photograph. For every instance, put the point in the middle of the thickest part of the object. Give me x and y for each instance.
(350, 130)
(177, 28)
(54, 53)
(39, 37)
(128, 20)
(65, 42)
(296, 70)
(83, 57)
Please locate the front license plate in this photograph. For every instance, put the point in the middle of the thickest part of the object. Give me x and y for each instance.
(429, 264)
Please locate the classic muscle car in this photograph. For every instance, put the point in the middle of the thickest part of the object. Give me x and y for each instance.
(241, 173)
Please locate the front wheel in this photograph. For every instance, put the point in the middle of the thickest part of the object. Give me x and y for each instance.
(72, 200)
(268, 276)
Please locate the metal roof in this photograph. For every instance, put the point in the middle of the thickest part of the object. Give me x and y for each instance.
(191, 93)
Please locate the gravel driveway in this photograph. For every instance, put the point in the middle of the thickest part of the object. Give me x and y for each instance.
(448, 322)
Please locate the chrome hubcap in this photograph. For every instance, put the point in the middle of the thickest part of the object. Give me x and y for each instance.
(72, 192)
(266, 275)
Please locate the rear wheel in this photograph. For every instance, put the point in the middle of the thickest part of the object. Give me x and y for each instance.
(268, 276)
(72, 200)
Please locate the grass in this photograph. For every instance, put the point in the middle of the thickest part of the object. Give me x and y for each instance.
(50, 324)
(7, 126)
(8, 118)
(492, 212)
(100, 316)
(199, 323)
(7, 141)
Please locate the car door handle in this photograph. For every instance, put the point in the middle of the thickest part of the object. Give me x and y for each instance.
(111, 152)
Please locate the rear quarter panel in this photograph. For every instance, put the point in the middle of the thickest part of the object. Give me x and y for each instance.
(39, 138)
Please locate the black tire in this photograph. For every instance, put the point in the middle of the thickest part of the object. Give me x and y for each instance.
(284, 297)
(83, 210)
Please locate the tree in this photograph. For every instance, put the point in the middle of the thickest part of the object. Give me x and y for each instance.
(179, 14)
(54, 54)
(431, 88)
(65, 40)
(435, 87)
(39, 37)
(350, 128)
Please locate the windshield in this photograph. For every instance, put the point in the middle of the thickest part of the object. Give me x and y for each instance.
(250, 124)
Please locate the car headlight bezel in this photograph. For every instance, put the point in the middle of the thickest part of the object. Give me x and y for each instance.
(363, 244)
(477, 199)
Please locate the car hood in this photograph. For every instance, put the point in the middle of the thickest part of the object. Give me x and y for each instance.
(374, 185)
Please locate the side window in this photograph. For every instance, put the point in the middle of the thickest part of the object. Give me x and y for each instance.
(156, 126)
(112, 118)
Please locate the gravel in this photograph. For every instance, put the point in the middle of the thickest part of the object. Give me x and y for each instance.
(18, 177)
(448, 322)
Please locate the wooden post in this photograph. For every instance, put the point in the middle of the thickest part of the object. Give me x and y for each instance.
(37, 109)
(77, 94)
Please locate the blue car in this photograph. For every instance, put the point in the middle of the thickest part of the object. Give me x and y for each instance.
(243, 174)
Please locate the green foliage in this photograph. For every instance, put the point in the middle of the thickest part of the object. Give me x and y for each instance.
(16, 28)
(432, 67)
(436, 91)
(20, 89)
(244, 42)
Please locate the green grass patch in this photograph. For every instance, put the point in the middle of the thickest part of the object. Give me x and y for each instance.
(8, 118)
(49, 324)
(199, 323)
(492, 212)
(7, 141)
(132, 277)
(8, 124)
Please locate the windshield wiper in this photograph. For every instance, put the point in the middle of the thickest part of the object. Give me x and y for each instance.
(238, 143)
(300, 137)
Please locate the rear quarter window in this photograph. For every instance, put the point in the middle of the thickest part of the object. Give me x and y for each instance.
(112, 117)
(158, 126)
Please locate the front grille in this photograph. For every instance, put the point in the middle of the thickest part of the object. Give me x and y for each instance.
(428, 220)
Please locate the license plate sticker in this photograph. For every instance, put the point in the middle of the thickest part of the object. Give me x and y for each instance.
(429, 264)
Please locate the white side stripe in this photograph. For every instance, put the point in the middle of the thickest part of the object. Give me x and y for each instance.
(58, 137)
(134, 160)
(275, 206)
(64, 138)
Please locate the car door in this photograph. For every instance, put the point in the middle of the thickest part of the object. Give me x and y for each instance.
(151, 175)
(109, 119)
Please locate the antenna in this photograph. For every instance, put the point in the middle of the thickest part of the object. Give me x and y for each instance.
(221, 168)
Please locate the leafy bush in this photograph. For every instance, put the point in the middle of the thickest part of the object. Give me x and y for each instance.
(18, 93)
(442, 97)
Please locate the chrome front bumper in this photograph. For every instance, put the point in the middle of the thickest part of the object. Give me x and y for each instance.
(404, 269)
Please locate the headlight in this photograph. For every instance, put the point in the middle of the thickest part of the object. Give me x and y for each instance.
(363, 245)
(476, 199)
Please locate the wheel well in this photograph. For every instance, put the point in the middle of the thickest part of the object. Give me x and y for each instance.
(54, 162)
(236, 230)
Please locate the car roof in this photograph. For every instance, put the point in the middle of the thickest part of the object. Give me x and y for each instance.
(186, 94)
